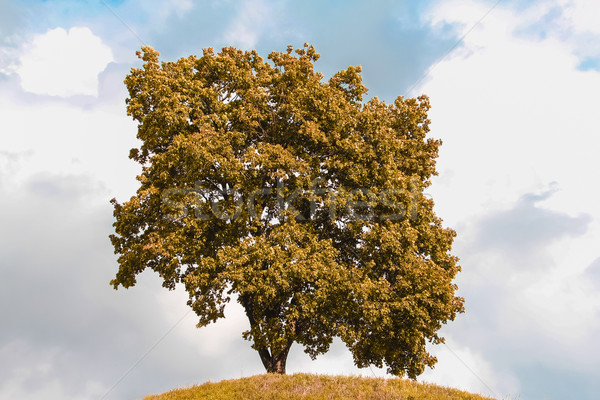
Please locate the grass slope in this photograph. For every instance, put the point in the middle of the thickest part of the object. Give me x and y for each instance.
(313, 387)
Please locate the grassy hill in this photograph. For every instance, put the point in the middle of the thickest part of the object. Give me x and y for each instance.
(313, 387)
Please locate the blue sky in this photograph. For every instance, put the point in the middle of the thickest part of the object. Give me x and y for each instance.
(515, 103)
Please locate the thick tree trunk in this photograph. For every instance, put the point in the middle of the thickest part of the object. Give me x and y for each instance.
(274, 364)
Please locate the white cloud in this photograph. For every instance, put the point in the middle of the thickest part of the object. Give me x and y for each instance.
(7, 57)
(56, 137)
(582, 15)
(249, 24)
(517, 116)
(462, 368)
(38, 379)
(209, 340)
(61, 63)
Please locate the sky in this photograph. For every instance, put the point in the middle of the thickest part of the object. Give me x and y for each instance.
(515, 91)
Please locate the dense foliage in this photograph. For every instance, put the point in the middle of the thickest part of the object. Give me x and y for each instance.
(263, 183)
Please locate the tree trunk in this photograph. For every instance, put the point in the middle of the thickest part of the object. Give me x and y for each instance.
(274, 364)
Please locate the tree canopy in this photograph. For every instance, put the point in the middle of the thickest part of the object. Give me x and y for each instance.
(265, 183)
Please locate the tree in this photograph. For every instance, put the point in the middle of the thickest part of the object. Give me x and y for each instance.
(263, 183)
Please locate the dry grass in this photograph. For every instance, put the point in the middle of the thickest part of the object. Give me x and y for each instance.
(315, 387)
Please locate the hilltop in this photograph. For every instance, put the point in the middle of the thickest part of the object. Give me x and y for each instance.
(313, 387)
